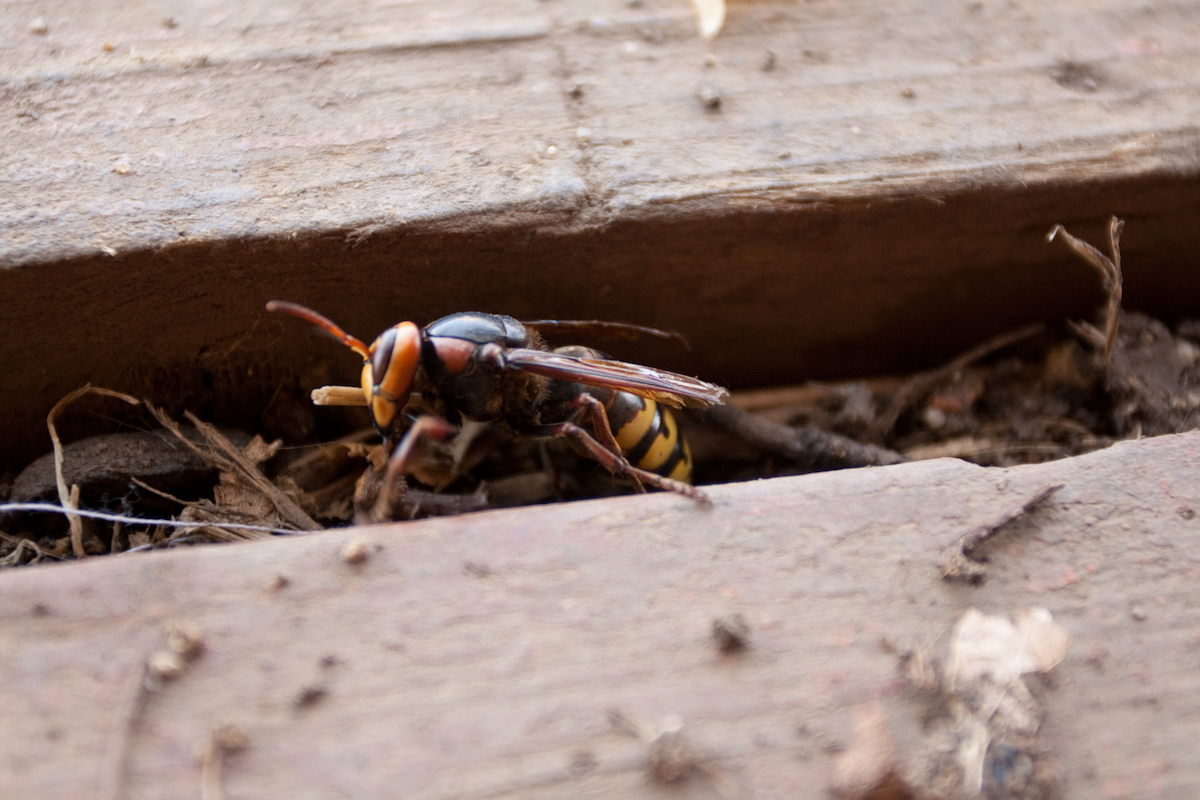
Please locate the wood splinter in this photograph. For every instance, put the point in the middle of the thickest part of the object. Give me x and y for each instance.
(962, 562)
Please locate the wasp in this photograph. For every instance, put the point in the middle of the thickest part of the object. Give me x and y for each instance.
(493, 368)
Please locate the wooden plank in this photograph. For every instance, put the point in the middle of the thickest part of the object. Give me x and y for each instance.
(888, 180)
(479, 656)
(289, 118)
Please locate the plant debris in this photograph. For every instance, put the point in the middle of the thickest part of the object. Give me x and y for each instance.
(184, 645)
(670, 756)
(227, 738)
(70, 498)
(245, 503)
(309, 696)
(731, 633)
(963, 562)
(981, 730)
(1036, 393)
(356, 551)
(1110, 273)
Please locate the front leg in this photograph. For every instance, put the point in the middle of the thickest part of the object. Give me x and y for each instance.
(393, 485)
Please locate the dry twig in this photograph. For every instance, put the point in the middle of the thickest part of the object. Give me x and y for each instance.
(961, 562)
(233, 460)
(70, 497)
(286, 507)
(1110, 272)
(917, 387)
(670, 757)
(808, 447)
(14, 558)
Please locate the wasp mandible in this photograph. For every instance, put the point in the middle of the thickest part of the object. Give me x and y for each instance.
(492, 368)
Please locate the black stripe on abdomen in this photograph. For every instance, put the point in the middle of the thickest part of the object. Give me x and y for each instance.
(648, 435)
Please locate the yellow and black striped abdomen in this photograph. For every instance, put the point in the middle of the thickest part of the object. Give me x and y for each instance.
(649, 437)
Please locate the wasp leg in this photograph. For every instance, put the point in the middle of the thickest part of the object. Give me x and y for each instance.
(602, 430)
(392, 487)
(614, 462)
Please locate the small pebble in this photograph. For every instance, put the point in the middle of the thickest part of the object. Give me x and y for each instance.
(709, 95)
(230, 738)
(186, 640)
(309, 696)
(165, 665)
(669, 758)
(355, 551)
(731, 633)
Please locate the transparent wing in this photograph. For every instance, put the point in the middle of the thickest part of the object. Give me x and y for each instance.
(657, 384)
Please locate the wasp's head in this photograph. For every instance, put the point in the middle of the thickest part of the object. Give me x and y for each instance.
(389, 364)
(389, 369)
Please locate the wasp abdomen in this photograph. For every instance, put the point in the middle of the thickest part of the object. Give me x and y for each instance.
(648, 435)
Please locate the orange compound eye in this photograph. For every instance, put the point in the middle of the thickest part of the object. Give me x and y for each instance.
(388, 375)
(381, 412)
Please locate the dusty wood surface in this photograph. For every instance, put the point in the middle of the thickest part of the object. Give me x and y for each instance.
(871, 192)
(287, 118)
(479, 656)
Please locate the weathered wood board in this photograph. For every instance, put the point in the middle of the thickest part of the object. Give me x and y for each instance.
(479, 656)
(288, 118)
(871, 192)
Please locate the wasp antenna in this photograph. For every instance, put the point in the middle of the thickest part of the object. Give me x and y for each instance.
(325, 324)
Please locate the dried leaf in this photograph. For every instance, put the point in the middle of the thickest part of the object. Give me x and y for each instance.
(258, 451)
(993, 647)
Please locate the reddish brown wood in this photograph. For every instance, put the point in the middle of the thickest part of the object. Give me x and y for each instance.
(479, 656)
(877, 198)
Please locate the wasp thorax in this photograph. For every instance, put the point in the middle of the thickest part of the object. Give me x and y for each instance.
(388, 373)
